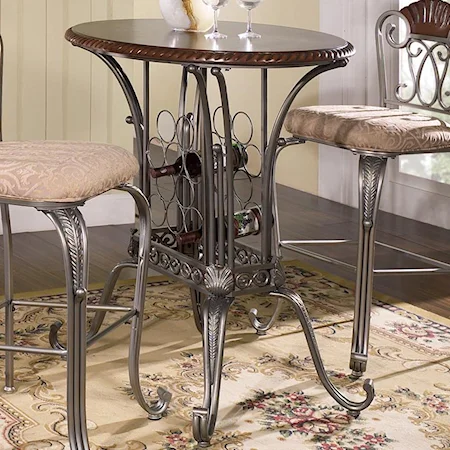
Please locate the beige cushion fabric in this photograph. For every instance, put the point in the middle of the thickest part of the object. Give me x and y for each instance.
(62, 171)
(370, 128)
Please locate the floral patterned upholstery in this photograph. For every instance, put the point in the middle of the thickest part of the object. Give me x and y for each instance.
(62, 171)
(370, 128)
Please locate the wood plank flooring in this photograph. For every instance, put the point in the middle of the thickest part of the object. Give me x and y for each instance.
(38, 260)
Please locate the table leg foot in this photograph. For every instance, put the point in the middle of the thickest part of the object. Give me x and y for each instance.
(261, 327)
(354, 408)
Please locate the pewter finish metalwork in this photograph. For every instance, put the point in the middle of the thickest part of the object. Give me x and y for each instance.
(353, 407)
(208, 167)
(263, 327)
(136, 113)
(229, 175)
(8, 278)
(371, 175)
(73, 235)
(428, 60)
(196, 299)
(33, 350)
(156, 409)
(372, 171)
(269, 157)
(70, 224)
(219, 280)
(64, 306)
(214, 312)
(105, 298)
(250, 276)
(183, 196)
(441, 267)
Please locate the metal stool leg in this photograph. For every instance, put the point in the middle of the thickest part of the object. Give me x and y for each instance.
(9, 309)
(371, 175)
(73, 234)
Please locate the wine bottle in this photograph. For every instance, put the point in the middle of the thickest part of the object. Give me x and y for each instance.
(193, 163)
(192, 167)
(245, 223)
(239, 155)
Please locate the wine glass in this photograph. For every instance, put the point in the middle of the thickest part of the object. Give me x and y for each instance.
(215, 5)
(249, 5)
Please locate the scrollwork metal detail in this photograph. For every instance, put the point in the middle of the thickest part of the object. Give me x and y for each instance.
(426, 55)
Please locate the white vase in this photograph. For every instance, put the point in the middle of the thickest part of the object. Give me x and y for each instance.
(187, 15)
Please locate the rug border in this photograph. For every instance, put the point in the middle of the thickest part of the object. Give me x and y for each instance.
(335, 278)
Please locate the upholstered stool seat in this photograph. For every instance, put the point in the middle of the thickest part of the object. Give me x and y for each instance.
(370, 128)
(62, 171)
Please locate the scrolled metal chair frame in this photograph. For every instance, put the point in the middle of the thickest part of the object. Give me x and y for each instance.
(372, 166)
(72, 232)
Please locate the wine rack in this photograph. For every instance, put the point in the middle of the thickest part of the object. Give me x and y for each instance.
(178, 190)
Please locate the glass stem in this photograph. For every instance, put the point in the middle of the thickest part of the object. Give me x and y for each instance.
(215, 29)
(249, 20)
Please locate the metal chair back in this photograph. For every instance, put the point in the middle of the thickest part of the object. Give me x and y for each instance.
(418, 77)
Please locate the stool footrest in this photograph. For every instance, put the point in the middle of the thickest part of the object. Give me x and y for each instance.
(25, 349)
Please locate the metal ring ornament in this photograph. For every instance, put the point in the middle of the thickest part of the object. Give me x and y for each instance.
(159, 127)
(233, 128)
(243, 280)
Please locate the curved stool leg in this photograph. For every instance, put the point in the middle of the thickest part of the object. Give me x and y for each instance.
(9, 309)
(354, 408)
(371, 175)
(155, 410)
(73, 234)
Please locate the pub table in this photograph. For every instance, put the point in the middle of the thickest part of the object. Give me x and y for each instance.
(197, 238)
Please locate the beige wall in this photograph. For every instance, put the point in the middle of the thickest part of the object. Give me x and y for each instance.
(54, 91)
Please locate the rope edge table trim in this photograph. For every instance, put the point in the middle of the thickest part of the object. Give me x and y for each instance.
(166, 54)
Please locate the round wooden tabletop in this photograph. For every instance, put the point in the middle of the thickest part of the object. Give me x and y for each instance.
(153, 40)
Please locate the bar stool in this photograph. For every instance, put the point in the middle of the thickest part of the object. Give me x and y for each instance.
(377, 134)
(56, 178)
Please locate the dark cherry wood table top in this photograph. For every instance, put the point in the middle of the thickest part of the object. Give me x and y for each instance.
(153, 40)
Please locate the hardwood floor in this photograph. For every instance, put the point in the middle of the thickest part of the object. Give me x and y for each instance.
(38, 260)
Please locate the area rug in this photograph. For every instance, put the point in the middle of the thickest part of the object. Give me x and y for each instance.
(271, 397)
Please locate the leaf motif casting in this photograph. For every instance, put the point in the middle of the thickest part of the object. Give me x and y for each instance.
(219, 280)
(372, 167)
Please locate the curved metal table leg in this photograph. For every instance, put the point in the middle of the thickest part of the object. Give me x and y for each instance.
(354, 408)
(156, 409)
(196, 299)
(261, 327)
(214, 313)
(9, 309)
(371, 175)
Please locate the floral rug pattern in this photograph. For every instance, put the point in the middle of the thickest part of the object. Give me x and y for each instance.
(271, 396)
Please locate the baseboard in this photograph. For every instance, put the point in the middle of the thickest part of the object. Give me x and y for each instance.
(113, 208)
